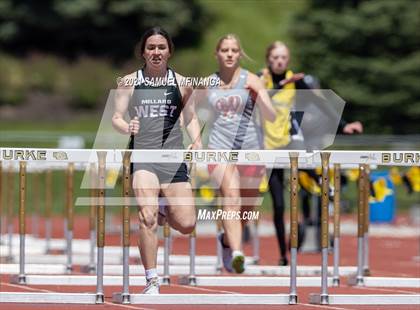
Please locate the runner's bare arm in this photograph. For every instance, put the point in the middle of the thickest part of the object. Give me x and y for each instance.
(189, 117)
(260, 95)
(122, 98)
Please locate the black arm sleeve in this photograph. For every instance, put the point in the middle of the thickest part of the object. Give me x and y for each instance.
(341, 126)
(300, 84)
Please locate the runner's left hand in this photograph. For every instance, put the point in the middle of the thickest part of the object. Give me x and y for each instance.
(252, 92)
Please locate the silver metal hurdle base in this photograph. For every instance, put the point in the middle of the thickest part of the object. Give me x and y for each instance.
(357, 299)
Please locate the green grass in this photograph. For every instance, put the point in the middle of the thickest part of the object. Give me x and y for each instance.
(88, 123)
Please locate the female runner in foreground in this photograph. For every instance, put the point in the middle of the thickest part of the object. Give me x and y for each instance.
(235, 128)
(155, 103)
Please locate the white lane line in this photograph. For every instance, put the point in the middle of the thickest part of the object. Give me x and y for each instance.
(49, 291)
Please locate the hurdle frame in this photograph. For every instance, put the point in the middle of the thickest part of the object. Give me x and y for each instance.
(305, 160)
(71, 298)
(360, 299)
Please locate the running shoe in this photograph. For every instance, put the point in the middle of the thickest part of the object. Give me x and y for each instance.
(226, 254)
(283, 261)
(238, 262)
(152, 287)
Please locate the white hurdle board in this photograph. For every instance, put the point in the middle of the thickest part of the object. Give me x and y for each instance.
(206, 299)
(254, 281)
(387, 282)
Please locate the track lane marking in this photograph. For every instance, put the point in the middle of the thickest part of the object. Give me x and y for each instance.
(49, 291)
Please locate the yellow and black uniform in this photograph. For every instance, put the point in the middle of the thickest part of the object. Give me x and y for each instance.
(277, 135)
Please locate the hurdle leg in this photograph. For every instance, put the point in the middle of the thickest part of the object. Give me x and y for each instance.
(125, 296)
(191, 277)
(337, 198)
(10, 202)
(324, 227)
(166, 235)
(219, 263)
(256, 243)
(293, 225)
(36, 204)
(366, 270)
(360, 225)
(100, 228)
(70, 217)
(92, 237)
(48, 210)
(22, 201)
(90, 268)
(1, 201)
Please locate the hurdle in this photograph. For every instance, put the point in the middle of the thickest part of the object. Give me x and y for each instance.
(48, 210)
(363, 277)
(303, 158)
(366, 270)
(337, 199)
(69, 216)
(192, 237)
(255, 270)
(307, 276)
(125, 295)
(2, 222)
(10, 202)
(290, 298)
(292, 280)
(75, 298)
(90, 268)
(361, 299)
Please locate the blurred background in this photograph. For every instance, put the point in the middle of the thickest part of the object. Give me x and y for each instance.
(60, 58)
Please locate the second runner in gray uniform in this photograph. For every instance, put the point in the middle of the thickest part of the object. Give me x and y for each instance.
(235, 126)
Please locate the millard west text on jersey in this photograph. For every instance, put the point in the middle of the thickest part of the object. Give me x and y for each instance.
(155, 108)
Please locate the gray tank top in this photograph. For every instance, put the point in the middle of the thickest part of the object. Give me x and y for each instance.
(235, 126)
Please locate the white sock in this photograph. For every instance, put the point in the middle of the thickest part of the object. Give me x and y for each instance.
(151, 273)
(237, 253)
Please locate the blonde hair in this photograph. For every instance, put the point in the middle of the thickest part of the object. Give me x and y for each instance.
(274, 45)
(232, 36)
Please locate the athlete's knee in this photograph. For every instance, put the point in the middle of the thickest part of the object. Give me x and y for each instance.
(186, 227)
(148, 218)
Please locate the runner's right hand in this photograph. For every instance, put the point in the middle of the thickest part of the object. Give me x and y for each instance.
(134, 126)
(295, 77)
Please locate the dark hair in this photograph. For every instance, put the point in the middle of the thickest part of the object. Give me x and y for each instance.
(151, 32)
